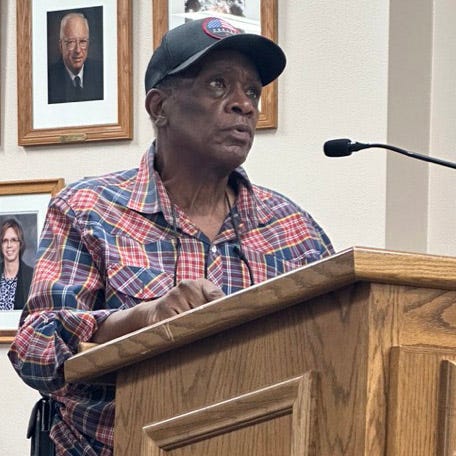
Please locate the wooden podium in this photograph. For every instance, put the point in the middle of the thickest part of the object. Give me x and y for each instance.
(352, 355)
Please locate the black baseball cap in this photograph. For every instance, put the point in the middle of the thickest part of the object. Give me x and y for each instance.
(186, 44)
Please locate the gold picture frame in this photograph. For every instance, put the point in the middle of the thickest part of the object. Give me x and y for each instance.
(268, 13)
(43, 121)
(22, 199)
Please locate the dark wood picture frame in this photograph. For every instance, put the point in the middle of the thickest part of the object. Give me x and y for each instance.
(268, 10)
(28, 134)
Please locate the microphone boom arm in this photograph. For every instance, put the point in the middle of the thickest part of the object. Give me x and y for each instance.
(438, 161)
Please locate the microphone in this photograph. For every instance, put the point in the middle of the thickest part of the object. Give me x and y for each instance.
(344, 147)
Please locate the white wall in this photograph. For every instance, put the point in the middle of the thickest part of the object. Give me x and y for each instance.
(343, 79)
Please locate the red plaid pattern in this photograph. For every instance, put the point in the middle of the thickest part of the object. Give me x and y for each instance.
(111, 242)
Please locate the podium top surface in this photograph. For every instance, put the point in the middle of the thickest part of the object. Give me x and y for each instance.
(349, 266)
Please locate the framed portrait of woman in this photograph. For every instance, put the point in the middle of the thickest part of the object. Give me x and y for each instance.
(23, 206)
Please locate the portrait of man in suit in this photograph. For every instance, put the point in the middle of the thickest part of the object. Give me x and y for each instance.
(75, 76)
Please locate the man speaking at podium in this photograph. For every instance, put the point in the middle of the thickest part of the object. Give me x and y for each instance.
(126, 250)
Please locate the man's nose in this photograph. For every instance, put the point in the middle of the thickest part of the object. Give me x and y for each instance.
(241, 103)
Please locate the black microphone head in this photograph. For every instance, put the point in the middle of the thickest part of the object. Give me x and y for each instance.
(338, 147)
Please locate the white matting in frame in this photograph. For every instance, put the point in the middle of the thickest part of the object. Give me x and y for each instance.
(9, 320)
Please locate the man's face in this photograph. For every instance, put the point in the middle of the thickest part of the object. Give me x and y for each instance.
(212, 116)
(74, 44)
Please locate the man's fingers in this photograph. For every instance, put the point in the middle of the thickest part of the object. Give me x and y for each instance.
(198, 292)
(211, 292)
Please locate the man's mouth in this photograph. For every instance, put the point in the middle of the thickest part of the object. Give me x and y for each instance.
(241, 131)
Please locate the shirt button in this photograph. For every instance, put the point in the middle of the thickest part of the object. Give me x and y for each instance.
(214, 249)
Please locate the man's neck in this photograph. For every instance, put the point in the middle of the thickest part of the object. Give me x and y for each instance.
(205, 205)
(72, 75)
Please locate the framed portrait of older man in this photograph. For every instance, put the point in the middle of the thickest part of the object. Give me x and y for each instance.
(251, 16)
(74, 71)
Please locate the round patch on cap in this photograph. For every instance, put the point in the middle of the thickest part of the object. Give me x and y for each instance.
(218, 28)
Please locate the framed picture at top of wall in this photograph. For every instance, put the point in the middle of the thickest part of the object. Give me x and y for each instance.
(251, 16)
(73, 71)
(23, 207)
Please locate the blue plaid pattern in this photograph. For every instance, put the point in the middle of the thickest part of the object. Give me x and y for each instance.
(109, 243)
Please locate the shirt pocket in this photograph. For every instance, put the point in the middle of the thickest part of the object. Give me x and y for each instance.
(132, 284)
(268, 265)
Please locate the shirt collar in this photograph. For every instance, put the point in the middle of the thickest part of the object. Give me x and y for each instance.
(144, 195)
(80, 74)
(149, 195)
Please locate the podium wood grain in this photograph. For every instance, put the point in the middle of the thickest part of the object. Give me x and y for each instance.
(350, 266)
(336, 321)
(446, 444)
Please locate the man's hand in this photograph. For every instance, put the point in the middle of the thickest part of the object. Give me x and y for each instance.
(187, 295)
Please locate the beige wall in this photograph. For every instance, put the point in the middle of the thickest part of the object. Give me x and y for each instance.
(442, 188)
(17, 400)
(409, 98)
(345, 78)
(335, 85)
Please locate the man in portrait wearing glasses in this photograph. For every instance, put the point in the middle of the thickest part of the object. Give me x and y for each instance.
(74, 77)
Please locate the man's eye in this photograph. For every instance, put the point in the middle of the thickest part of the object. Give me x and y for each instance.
(217, 83)
(253, 93)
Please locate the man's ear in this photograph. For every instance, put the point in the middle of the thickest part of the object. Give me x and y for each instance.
(154, 106)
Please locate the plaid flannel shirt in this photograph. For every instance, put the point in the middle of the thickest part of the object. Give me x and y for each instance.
(109, 243)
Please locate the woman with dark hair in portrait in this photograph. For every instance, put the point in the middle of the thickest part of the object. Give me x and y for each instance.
(15, 274)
